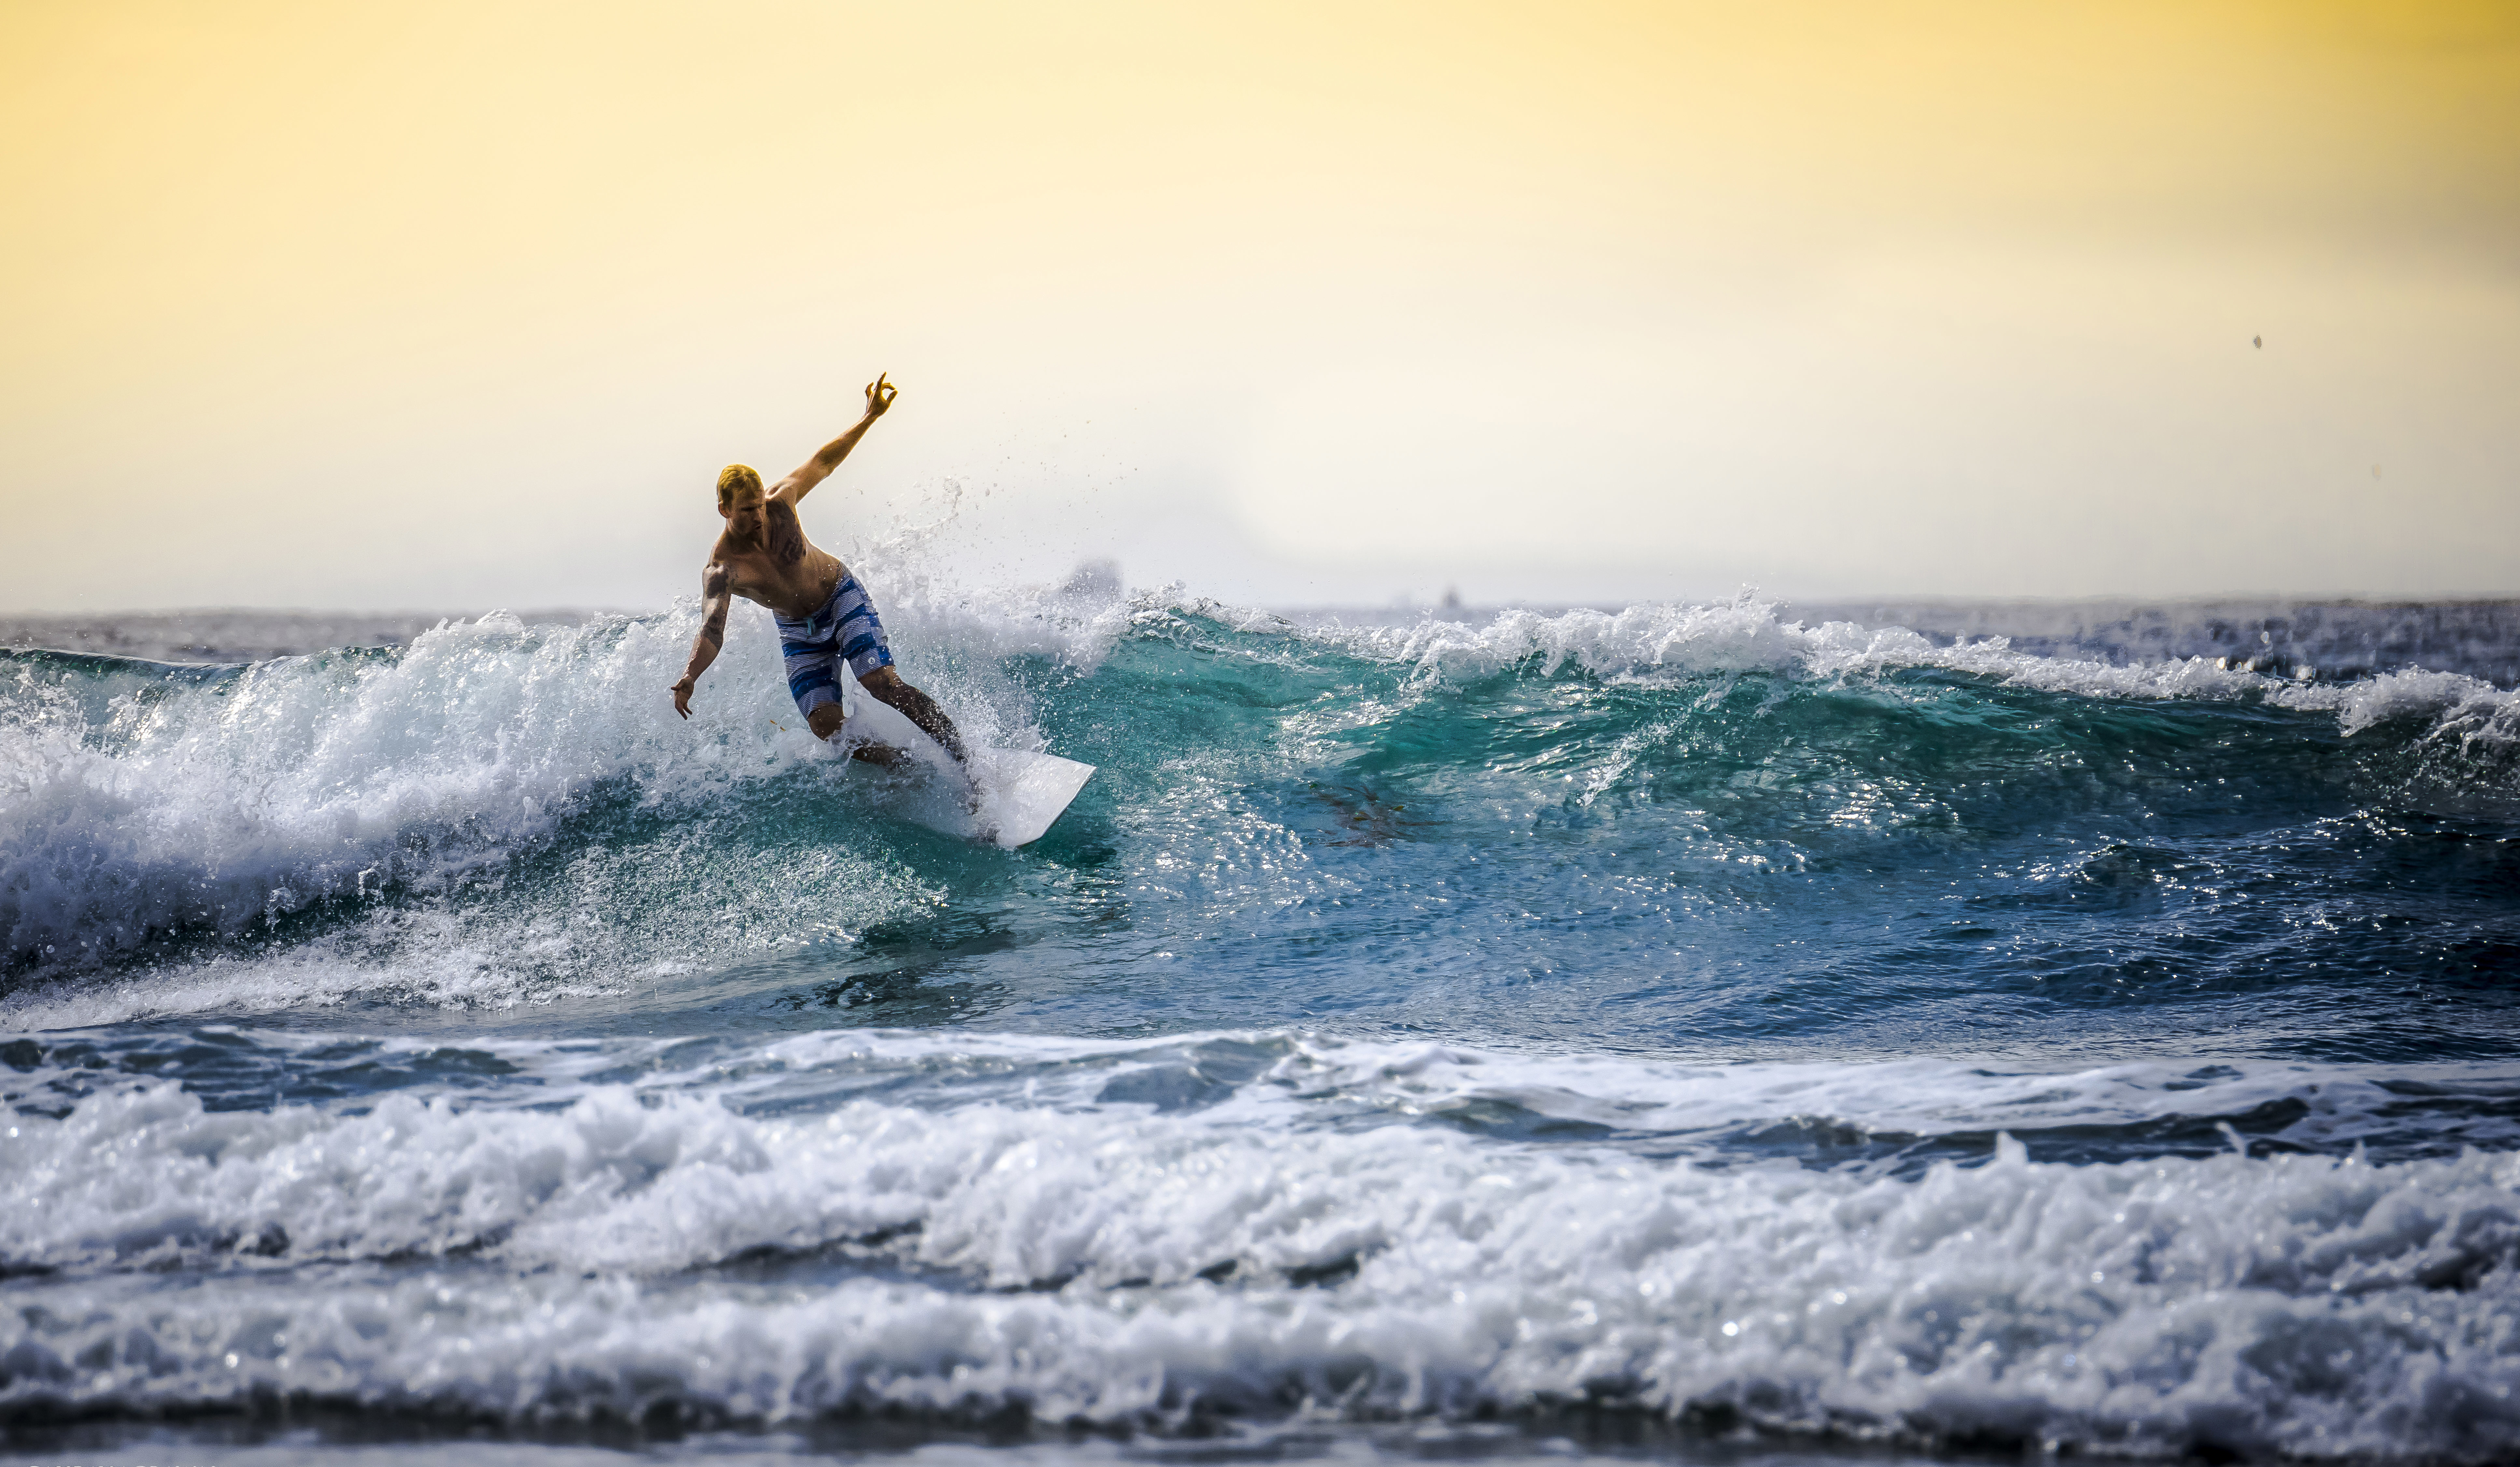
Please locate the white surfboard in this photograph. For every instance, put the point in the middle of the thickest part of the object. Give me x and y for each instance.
(1021, 793)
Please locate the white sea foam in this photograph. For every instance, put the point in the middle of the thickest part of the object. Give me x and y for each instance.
(615, 924)
(2302, 1305)
(310, 778)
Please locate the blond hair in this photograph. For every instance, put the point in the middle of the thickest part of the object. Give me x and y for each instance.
(733, 477)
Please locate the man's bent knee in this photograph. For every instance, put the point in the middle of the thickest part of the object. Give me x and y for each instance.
(825, 720)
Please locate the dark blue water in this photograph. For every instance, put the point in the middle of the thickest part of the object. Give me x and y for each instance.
(1643, 1029)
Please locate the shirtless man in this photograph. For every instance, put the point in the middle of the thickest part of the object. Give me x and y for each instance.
(824, 615)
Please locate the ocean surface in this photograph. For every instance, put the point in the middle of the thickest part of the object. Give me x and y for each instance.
(1738, 1032)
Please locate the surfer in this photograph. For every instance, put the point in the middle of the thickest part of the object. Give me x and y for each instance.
(824, 615)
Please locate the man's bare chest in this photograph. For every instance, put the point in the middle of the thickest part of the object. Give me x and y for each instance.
(794, 590)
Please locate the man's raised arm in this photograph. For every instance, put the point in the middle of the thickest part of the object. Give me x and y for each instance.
(716, 595)
(879, 394)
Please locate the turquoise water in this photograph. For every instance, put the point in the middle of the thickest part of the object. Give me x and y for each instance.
(1691, 1027)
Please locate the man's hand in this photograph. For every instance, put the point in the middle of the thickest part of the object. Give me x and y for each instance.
(682, 696)
(880, 395)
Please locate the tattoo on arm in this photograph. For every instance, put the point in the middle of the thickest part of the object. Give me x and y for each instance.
(715, 598)
(715, 593)
(716, 588)
(786, 536)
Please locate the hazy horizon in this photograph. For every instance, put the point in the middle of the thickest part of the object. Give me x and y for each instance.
(1303, 306)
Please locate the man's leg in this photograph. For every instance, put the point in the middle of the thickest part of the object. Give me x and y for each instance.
(869, 653)
(813, 681)
(921, 709)
(825, 720)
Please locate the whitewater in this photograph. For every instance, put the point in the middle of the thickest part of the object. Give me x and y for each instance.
(1718, 1029)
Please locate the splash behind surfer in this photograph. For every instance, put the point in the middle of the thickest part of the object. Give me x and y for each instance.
(825, 617)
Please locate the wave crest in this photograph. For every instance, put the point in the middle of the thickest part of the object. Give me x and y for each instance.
(1162, 1265)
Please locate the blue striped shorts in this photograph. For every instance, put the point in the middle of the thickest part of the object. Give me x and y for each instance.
(845, 630)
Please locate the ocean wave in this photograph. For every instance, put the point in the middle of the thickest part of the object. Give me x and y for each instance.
(136, 802)
(1748, 634)
(236, 801)
(1126, 1265)
(1716, 1114)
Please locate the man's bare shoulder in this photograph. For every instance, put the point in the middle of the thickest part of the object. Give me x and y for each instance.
(728, 566)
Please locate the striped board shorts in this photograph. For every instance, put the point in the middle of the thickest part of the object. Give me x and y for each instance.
(845, 630)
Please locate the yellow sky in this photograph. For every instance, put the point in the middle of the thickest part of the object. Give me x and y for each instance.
(462, 304)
